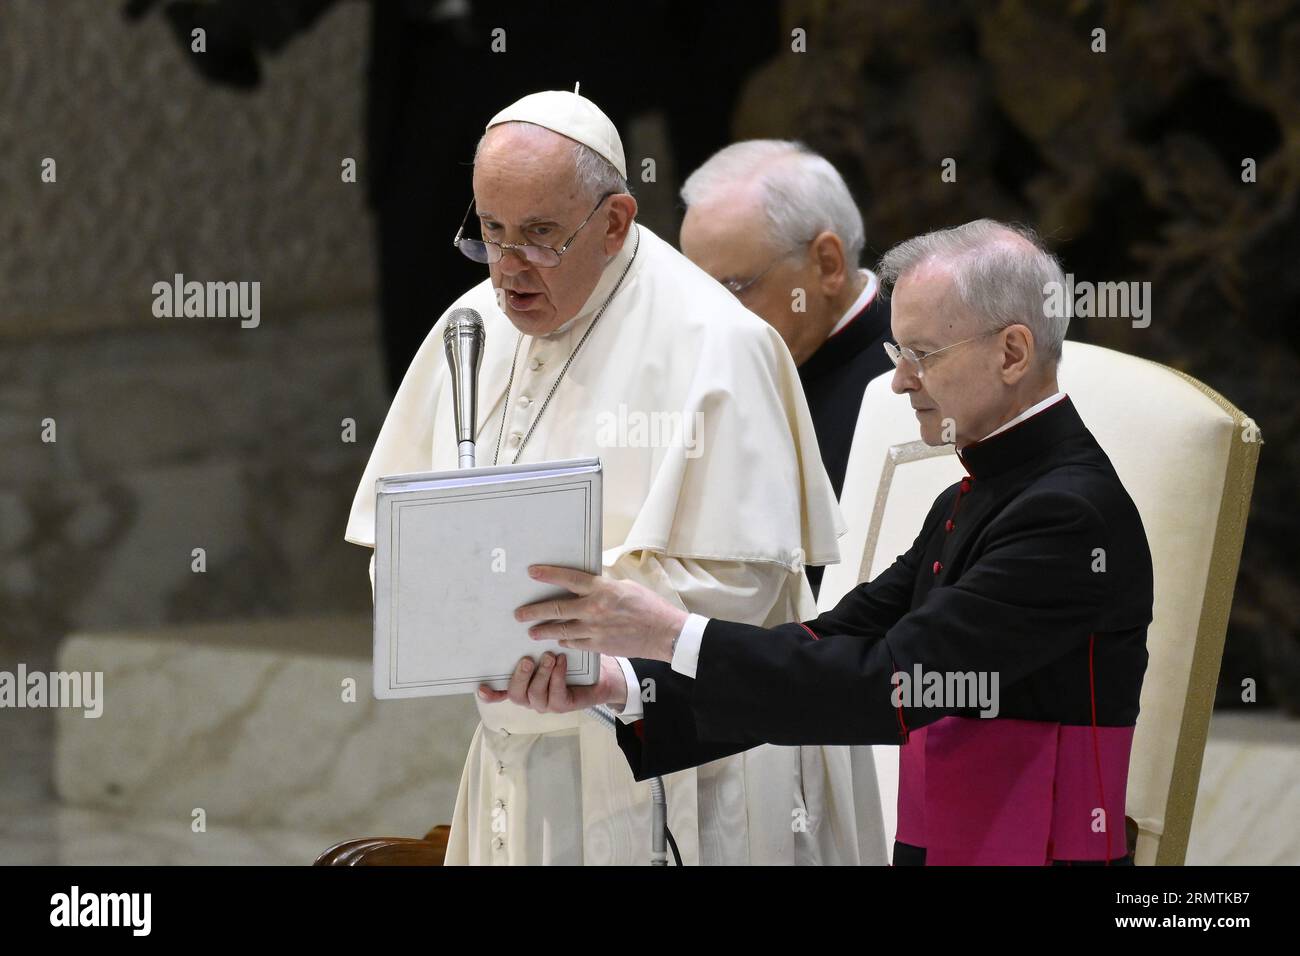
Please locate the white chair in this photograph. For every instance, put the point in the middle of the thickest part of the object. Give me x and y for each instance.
(1187, 457)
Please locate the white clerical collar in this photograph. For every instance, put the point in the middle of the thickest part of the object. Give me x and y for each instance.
(1027, 413)
(864, 297)
(609, 277)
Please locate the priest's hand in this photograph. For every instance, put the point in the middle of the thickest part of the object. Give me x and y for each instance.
(620, 618)
(541, 686)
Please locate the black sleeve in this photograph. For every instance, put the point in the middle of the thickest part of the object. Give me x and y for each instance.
(1030, 597)
(664, 740)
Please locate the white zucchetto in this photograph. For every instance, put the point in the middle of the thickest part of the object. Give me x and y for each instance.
(571, 115)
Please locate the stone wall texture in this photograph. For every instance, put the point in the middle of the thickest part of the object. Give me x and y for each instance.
(176, 433)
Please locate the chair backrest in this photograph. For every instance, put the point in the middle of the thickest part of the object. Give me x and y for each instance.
(1187, 457)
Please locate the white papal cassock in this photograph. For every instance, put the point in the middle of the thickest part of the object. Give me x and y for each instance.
(720, 516)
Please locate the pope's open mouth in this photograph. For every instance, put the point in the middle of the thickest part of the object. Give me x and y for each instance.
(522, 300)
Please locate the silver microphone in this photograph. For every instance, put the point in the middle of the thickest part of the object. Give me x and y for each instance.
(463, 341)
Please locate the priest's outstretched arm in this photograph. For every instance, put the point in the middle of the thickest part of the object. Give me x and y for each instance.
(662, 736)
(752, 592)
(1030, 598)
(734, 590)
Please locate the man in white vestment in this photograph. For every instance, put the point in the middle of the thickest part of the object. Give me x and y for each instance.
(602, 340)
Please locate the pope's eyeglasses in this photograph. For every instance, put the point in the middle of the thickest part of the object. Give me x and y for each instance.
(487, 251)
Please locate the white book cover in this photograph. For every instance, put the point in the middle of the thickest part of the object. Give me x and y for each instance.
(452, 551)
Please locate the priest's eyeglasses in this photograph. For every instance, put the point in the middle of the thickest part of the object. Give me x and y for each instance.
(915, 359)
(537, 254)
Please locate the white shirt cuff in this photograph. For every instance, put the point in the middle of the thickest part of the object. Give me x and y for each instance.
(633, 710)
(686, 656)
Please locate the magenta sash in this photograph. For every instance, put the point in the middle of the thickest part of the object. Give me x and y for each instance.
(1000, 792)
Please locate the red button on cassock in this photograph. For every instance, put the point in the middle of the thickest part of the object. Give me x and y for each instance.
(965, 485)
(937, 567)
(948, 526)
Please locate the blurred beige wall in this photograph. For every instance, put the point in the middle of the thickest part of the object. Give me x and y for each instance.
(177, 433)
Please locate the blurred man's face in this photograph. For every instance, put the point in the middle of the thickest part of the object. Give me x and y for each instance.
(728, 237)
(525, 191)
(964, 385)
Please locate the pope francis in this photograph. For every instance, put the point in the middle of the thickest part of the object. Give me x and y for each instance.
(594, 327)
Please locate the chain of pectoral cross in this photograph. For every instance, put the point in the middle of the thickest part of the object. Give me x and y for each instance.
(505, 408)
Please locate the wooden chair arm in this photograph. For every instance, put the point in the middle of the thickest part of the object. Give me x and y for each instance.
(389, 851)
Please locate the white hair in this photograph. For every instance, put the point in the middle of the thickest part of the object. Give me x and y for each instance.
(595, 174)
(1002, 275)
(803, 194)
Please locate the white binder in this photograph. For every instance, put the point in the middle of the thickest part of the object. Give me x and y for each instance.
(452, 551)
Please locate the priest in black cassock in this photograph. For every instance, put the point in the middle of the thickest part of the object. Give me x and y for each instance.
(1031, 576)
(775, 223)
